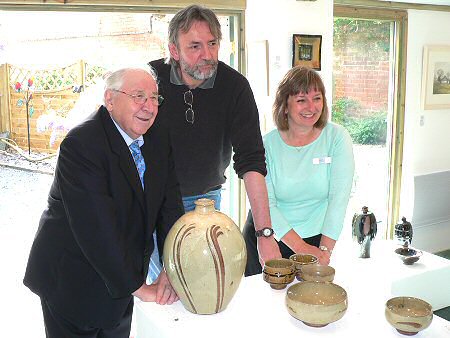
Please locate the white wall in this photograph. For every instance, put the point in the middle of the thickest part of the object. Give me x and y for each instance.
(426, 146)
(276, 22)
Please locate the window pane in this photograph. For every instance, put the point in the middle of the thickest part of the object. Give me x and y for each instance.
(362, 103)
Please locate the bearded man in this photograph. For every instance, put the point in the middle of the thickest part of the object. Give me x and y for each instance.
(210, 112)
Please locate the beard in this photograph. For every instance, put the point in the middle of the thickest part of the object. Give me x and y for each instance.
(196, 73)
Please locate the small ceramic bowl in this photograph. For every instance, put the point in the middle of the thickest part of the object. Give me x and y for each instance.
(302, 260)
(408, 255)
(316, 304)
(317, 273)
(279, 272)
(408, 315)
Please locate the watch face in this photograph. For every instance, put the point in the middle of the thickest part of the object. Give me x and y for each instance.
(265, 232)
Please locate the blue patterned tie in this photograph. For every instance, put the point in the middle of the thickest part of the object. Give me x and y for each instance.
(155, 266)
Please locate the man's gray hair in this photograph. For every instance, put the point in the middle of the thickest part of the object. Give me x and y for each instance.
(185, 18)
(114, 80)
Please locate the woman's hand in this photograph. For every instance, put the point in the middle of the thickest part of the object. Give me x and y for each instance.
(323, 256)
(298, 245)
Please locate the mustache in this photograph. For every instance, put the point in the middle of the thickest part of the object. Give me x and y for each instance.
(207, 63)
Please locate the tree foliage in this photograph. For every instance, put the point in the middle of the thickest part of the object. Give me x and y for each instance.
(367, 36)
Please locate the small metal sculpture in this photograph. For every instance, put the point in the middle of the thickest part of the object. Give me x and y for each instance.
(404, 232)
(364, 231)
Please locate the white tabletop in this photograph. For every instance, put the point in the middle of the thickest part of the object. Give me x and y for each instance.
(428, 278)
(259, 311)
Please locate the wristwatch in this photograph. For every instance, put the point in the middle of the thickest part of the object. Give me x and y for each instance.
(264, 232)
(324, 248)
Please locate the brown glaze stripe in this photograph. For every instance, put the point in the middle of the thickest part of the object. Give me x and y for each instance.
(177, 258)
(277, 274)
(217, 233)
(214, 233)
(416, 325)
(216, 267)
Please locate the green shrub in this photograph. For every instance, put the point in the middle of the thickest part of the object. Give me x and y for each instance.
(363, 130)
(343, 109)
(369, 130)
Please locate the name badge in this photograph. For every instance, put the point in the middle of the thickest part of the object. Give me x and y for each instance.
(322, 160)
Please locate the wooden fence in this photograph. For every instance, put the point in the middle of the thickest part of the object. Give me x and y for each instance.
(54, 93)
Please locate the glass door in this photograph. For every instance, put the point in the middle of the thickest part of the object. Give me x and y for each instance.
(366, 96)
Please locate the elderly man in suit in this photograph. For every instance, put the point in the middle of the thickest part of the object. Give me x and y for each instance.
(113, 189)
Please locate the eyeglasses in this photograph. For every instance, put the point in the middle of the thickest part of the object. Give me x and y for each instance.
(189, 100)
(141, 97)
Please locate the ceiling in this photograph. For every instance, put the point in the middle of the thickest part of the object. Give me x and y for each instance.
(427, 2)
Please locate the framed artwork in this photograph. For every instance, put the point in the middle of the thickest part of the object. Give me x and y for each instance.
(436, 77)
(306, 50)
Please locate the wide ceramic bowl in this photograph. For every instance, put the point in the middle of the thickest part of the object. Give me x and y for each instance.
(317, 273)
(301, 260)
(278, 272)
(316, 304)
(408, 255)
(408, 315)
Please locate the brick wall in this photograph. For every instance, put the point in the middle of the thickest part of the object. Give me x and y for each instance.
(104, 39)
(362, 78)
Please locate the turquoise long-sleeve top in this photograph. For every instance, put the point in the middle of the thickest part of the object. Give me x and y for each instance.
(309, 186)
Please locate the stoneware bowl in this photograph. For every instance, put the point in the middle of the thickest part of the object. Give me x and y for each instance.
(279, 272)
(302, 260)
(316, 304)
(317, 273)
(408, 255)
(408, 315)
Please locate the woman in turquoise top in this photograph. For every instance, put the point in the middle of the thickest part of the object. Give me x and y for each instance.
(310, 170)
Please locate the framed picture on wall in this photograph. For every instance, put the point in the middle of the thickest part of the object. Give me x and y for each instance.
(306, 50)
(436, 77)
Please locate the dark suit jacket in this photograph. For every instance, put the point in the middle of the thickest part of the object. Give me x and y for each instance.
(94, 241)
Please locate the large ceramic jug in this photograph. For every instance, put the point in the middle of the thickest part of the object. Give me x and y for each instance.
(205, 258)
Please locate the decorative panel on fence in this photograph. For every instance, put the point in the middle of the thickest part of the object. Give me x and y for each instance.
(59, 102)
(55, 92)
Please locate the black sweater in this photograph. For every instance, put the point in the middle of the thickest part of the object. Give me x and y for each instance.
(226, 120)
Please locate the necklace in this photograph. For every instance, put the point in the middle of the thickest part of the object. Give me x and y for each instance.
(302, 141)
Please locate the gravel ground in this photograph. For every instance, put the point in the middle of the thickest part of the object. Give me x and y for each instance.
(22, 199)
(40, 163)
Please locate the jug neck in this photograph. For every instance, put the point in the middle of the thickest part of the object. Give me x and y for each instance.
(204, 206)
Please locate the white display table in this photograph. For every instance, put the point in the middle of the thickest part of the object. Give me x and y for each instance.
(428, 278)
(258, 311)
